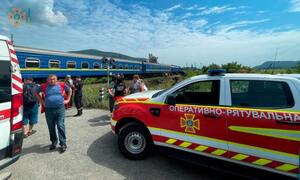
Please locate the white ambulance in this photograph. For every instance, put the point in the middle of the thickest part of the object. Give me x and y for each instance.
(11, 104)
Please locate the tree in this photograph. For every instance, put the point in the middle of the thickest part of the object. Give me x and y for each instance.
(298, 67)
(234, 67)
(205, 69)
(152, 59)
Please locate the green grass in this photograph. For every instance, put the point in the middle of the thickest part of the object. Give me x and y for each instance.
(91, 95)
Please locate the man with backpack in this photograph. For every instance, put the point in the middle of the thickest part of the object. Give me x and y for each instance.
(51, 96)
(31, 107)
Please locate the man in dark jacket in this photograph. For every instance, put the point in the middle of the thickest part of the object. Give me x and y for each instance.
(78, 95)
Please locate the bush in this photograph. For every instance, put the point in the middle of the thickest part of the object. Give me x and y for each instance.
(91, 97)
(94, 80)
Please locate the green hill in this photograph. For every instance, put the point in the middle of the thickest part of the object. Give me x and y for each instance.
(278, 65)
(96, 52)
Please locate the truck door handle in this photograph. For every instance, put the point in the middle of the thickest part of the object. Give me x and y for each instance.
(155, 111)
(211, 115)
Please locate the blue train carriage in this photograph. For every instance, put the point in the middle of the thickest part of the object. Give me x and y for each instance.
(39, 63)
(177, 70)
(156, 69)
(126, 67)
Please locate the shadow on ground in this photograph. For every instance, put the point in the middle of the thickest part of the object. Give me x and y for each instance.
(38, 148)
(100, 121)
(104, 152)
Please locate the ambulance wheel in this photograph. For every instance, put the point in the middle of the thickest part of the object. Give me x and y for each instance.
(134, 141)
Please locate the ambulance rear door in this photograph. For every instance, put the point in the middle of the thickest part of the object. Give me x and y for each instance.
(5, 98)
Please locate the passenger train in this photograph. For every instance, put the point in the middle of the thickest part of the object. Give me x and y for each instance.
(39, 63)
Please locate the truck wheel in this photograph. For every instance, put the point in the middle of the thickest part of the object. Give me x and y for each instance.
(134, 141)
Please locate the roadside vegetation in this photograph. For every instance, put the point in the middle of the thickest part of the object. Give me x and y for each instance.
(92, 86)
(91, 94)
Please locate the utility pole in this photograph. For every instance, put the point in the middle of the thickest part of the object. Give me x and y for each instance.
(108, 62)
(12, 38)
(275, 58)
(107, 71)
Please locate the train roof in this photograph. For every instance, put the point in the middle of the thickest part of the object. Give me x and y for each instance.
(68, 54)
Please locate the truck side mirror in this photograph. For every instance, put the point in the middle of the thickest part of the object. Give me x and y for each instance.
(171, 100)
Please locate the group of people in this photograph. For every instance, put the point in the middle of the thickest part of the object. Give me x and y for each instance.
(118, 89)
(54, 97)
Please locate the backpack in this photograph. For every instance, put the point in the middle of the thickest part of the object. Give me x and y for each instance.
(29, 97)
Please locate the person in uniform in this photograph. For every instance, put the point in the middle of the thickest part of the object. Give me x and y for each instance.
(69, 83)
(119, 88)
(78, 95)
(111, 93)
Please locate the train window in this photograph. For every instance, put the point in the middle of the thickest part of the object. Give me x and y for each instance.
(114, 66)
(84, 65)
(71, 64)
(54, 64)
(32, 63)
(120, 66)
(126, 66)
(96, 66)
(104, 66)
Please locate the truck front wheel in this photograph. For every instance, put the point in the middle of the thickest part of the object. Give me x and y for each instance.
(134, 141)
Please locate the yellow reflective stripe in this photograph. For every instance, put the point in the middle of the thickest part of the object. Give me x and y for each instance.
(218, 152)
(200, 148)
(171, 141)
(142, 102)
(264, 149)
(192, 135)
(229, 142)
(185, 144)
(282, 134)
(239, 157)
(262, 162)
(286, 167)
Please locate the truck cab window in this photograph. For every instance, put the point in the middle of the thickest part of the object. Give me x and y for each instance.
(199, 93)
(261, 94)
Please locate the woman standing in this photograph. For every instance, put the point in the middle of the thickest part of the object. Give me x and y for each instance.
(136, 85)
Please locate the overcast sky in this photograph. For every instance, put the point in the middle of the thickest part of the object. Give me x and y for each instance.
(177, 31)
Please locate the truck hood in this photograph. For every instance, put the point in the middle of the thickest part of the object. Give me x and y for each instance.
(142, 95)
